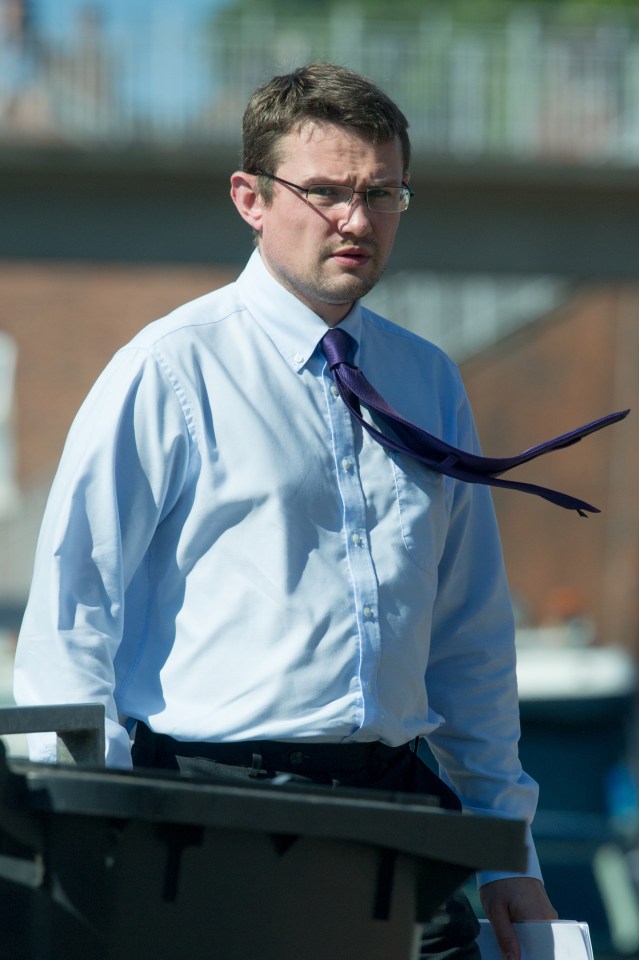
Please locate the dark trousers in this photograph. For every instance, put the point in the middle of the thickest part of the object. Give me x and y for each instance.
(451, 933)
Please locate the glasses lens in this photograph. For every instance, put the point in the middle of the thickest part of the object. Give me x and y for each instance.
(379, 199)
(387, 199)
(328, 195)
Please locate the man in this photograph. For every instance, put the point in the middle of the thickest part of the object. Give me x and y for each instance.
(231, 563)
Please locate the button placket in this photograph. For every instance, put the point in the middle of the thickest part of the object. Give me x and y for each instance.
(358, 554)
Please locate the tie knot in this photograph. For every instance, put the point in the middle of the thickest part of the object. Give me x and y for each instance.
(337, 345)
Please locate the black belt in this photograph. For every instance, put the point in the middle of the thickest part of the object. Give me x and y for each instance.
(154, 749)
(322, 762)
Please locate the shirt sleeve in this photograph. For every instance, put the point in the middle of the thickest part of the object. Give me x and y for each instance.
(471, 675)
(121, 470)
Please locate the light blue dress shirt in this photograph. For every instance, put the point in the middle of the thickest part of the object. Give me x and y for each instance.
(226, 555)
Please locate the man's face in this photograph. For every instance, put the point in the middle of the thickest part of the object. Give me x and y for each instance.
(329, 258)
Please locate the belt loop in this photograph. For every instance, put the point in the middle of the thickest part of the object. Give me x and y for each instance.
(256, 766)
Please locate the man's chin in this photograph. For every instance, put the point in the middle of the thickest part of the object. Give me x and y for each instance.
(349, 289)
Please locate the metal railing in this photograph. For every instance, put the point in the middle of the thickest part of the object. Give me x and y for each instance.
(522, 86)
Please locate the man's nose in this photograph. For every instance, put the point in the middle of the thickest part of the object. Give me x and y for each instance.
(355, 218)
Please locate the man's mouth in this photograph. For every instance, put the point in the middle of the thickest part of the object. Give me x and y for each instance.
(352, 255)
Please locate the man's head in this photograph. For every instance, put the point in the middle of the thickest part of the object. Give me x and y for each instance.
(323, 183)
(321, 93)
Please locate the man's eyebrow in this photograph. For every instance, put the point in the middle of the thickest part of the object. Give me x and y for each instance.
(382, 182)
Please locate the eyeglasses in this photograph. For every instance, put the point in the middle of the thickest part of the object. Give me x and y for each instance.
(328, 196)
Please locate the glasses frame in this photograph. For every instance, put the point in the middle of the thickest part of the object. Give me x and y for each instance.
(341, 186)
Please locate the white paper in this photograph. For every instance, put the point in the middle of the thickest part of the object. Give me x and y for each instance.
(542, 940)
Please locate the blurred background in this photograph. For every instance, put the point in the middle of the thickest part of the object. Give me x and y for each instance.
(119, 128)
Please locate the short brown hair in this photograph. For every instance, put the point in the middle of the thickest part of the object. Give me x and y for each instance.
(325, 93)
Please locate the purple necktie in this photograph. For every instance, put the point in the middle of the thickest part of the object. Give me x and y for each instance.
(435, 453)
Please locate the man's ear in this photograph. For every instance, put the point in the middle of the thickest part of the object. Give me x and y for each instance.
(248, 201)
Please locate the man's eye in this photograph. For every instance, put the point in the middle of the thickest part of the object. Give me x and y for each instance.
(380, 193)
(324, 191)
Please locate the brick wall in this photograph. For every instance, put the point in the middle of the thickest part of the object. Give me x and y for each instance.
(68, 320)
(566, 369)
(573, 366)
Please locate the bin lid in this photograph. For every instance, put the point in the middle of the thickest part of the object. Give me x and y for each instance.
(404, 822)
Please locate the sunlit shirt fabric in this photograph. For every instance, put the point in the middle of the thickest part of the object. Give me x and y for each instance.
(226, 555)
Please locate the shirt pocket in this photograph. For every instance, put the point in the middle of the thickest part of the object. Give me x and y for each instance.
(421, 505)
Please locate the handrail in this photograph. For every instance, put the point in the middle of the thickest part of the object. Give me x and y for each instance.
(521, 86)
(79, 728)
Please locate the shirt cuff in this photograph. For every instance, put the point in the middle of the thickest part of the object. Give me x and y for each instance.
(532, 867)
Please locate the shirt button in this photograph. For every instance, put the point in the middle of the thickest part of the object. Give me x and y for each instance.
(356, 538)
(299, 358)
(346, 463)
(368, 612)
(334, 391)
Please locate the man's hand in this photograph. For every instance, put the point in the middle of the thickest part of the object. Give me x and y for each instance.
(516, 898)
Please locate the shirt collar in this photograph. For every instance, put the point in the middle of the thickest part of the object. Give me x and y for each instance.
(293, 327)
